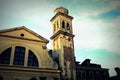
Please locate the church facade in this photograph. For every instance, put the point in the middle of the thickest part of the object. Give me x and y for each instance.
(25, 56)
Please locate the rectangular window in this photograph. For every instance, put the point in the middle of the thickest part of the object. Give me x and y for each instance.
(91, 74)
(19, 56)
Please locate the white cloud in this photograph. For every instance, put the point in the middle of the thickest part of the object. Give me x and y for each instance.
(97, 34)
(95, 10)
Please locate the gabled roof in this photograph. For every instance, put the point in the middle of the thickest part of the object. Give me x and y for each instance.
(26, 29)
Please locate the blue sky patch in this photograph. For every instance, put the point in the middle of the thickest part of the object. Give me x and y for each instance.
(108, 15)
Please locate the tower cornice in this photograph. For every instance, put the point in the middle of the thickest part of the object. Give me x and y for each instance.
(61, 32)
(59, 13)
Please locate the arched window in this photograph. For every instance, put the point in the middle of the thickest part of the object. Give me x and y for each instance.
(5, 56)
(55, 78)
(19, 55)
(32, 60)
(33, 79)
(68, 27)
(63, 24)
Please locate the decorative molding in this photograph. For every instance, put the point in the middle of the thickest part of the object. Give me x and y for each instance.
(29, 69)
(61, 32)
(59, 13)
(22, 38)
(23, 27)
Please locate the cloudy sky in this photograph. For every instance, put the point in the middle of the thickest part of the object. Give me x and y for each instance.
(96, 25)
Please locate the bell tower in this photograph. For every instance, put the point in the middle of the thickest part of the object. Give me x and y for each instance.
(62, 42)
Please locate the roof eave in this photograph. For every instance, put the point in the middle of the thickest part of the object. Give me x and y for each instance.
(61, 32)
(61, 14)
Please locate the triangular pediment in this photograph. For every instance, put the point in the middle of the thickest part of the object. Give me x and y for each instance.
(23, 32)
